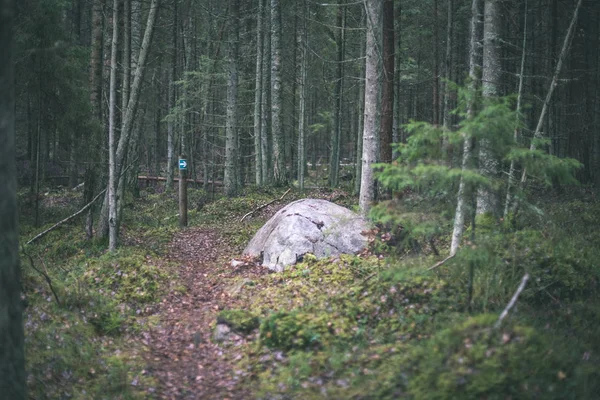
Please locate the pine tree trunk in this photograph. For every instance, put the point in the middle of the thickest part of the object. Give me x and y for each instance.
(302, 45)
(172, 91)
(279, 173)
(258, 155)
(12, 359)
(112, 109)
(267, 173)
(447, 117)
(334, 159)
(231, 140)
(370, 149)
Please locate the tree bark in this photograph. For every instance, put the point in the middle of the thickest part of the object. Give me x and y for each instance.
(462, 196)
(112, 109)
(230, 180)
(373, 10)
(131, 110)
(387, 94)
(447, 117)
(334, 159)
(561, 59)
(303, 44)
(267, 173)
(12, 359)
(487, 198)
(279, 173)
(172, 97)
(258, 155)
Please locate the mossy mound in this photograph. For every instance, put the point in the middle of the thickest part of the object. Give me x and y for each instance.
(240, 321)
(475, 360)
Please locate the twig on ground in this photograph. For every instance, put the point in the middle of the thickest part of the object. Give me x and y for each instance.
(441, 262)
(512, 301)
(265, 205)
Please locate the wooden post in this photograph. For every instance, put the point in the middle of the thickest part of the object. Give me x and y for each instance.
(183, 207)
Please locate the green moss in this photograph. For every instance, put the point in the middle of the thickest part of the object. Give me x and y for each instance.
(241, 321)
(294, 330)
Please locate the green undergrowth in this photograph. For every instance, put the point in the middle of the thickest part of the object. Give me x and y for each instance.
(373, 327)
(81, 328)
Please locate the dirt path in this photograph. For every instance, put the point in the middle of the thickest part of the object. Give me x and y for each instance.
(184, 360)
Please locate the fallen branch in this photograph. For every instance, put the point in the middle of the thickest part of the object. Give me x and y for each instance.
(441, 262)
(43, 273)
(512, 301)
(53, 227)
(265, 205)
(88, 205)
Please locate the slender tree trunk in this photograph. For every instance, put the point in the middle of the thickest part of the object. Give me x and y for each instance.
(12, 359)
(112, 109)
(172, 91)
(436, 67)
(561, 59)
(448, 75)
(334, 159)
(126, 55)
(361, 120)
(131, 110)
(462, 196)
(258, 155)
(231, 140)
(279, 173)
(396, 129)
(371, 130)
(511, 171)
(487, 198)
(267, 173)
(302, 45)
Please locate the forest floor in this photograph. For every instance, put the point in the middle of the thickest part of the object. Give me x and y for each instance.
(184, 358)
(140, 323)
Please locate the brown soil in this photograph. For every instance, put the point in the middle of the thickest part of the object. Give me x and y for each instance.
(183, 358)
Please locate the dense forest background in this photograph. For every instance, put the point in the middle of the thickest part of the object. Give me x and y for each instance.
(235, 84)
(467, 131)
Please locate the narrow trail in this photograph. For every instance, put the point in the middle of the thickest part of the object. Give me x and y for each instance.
(182, 356)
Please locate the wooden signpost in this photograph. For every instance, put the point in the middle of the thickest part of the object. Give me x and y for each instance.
(183, 207)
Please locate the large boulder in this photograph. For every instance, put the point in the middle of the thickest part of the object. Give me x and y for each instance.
(313, 226)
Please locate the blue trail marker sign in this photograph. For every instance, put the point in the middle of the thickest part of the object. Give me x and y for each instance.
(182, 163)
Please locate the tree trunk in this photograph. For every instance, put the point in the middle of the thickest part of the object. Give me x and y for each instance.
(334, 159)
(172, 91)
(436, 67)
(12, 359)
(447, 117)
(279, 173)
(370, 134)
(563, 55)
(230, 180)
(462, 196)
(131, 110)
(487, 198)
(511, 171)
(267, 173)
(258, 155)
(112, 109)
(302, 45)
(361, 120)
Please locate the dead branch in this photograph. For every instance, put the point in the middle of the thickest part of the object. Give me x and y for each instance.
(265, 205)
(88, 205)
(512, 301)
(53, 227)
(441, 262)
(43, 273)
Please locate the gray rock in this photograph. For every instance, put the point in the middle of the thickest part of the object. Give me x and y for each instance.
(221, 333)
(306, 226)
